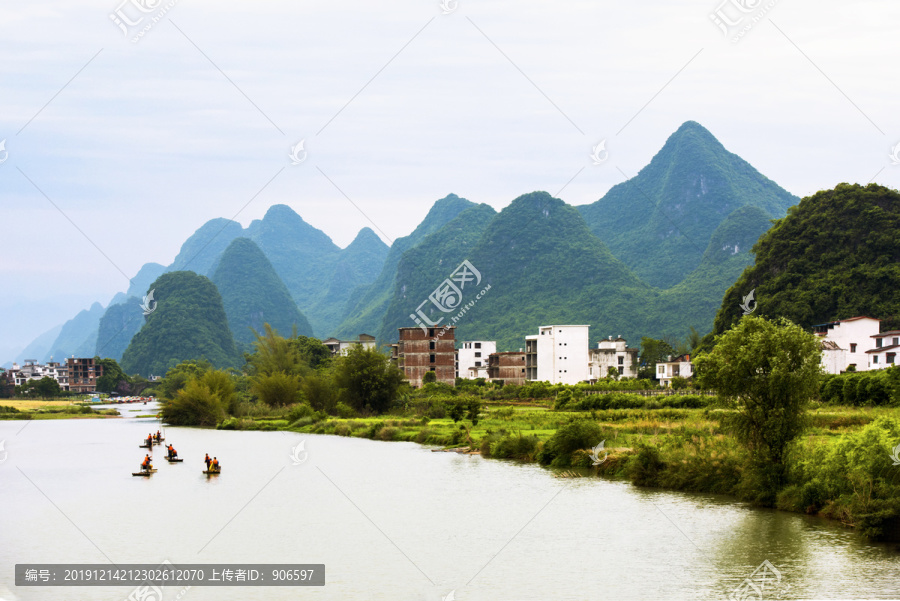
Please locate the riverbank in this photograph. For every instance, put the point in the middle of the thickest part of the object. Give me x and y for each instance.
(52, 409)
(841, 468)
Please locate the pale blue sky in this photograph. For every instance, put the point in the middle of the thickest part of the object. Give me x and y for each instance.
(149, 140)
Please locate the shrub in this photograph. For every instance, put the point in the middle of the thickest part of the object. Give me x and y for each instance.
(518, 447)
(298, 411)
(580, 434)
(644, 467)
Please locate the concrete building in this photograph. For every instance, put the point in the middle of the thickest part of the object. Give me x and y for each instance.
(884, 355)
(612, 353)
(421, 350)
(340, 347)
(845, 342)
(472, 358)
(508, 367)
(558, 354)
(675, 367)
(83, 374)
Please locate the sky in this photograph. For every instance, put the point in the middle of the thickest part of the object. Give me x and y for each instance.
(126, 125)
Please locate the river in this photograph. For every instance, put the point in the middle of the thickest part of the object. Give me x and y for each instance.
(395, 521)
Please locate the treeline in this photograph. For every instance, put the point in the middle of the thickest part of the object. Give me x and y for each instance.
(869, 388)
(281, 373)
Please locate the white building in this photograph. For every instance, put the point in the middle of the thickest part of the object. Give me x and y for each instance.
(845, 342)
(675, 367)
(558, 354)
(340, 347)
(32, 370)
(884, 355)
(612, 353)
(472, 358)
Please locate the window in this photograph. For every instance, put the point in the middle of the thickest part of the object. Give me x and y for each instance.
(431, 345)
(895, 341)
(621, 360)
(477, 345)
(477, 354)
(478, 364)
(875, 359)
(523, 370)
(890, 358)
(431, 358)
(852, 347)
(878, 343)
(431, 332)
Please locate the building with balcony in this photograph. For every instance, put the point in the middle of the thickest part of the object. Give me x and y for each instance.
(472, 358)
(612, 353)
(558, 354)
(507, 367)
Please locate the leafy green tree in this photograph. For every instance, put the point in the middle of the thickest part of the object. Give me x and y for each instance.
(430, 377)
(277, 389)
(652, 352)
(612, 372)
(196, 404)
(311, 350)
(319, 392)
(113, 376)
(767, 372)
(45, 388)
(177, 377)
(367, 380)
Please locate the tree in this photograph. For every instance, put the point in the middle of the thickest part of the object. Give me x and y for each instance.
(652, 352)
(45, 388)
(197, 404)
(177, 377)
(429, 377)
(112, 376)
(311, 350)
(367, 380)
(277, 389)
(275, 354)
(767, 372)
(612, 372)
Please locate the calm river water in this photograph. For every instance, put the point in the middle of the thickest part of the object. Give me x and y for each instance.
(395, 521)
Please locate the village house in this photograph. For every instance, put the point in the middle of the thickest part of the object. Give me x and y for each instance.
(507, 367)
(472, 358)
(340, 347)
(612, 353)
(558, 354)
(884, 354)
(422, 350)
(845, 343)
(675, 367)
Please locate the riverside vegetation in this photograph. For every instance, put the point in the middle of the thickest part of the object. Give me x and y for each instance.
(773, 442)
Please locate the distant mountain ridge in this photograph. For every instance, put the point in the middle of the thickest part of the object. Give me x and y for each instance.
(660, 221)
(653, 257)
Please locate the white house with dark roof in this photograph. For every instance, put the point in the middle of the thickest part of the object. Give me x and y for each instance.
(845, 343)
(884, 355)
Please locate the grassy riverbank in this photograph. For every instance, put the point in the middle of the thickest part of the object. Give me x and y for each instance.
(51, 409)
(840, 468)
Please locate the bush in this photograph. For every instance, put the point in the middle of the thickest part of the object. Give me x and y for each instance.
(298, 411)
(344, 411)
(580, 434)
(644, 467)
(518, 447)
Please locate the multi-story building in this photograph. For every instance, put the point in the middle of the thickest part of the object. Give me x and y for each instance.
(845, 342)
(884, 355)
(422, 350)
(675, 367)
(558, 354)
(508, 367)
(472, 358)
(340, 347)
(612, 353)
(83, 374)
